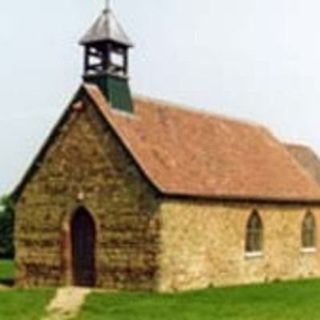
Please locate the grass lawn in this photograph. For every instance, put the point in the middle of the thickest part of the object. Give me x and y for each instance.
(282, 301)
(6, 272)
(24, 304)
(279, 301)
(20, 304)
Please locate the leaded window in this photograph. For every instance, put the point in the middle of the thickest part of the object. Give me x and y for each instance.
(254, 234)
(309, 231)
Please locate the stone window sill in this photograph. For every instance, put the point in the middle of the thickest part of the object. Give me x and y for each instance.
(254, 255)
(308, 250)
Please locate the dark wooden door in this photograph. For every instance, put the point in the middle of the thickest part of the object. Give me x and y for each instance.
(83, 236)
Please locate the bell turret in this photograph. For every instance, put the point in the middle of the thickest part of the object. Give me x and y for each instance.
(106, 60)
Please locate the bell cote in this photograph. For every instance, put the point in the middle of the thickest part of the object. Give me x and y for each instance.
(106, 59)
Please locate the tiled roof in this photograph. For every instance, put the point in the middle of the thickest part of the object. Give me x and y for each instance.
(189, 153)
(309, 160)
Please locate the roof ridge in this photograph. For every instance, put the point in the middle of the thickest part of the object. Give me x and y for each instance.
(298, 145)
(188, 108)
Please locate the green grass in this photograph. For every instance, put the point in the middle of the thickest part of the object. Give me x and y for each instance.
(6, 272)
(282, 301)
(20, 304)
(24, 304)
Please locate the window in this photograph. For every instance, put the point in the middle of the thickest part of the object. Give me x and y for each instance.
(254, 236)
(309, 232)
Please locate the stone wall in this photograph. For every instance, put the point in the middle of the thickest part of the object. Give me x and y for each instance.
(144, 242)
(87, 166)
(203, 245)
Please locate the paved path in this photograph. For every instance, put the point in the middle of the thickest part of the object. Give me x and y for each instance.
(5, 288)
(66, 303)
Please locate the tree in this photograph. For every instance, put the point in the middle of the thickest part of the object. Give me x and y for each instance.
(7, 212)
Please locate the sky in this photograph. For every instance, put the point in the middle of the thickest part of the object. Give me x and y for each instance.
(250, 59)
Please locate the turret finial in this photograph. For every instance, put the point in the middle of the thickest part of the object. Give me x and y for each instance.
(108, 5)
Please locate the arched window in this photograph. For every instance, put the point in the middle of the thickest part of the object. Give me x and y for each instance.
(309, 231)
(254, 234)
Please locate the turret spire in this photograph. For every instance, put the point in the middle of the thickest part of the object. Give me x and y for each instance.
(106, 60)
(108, 5)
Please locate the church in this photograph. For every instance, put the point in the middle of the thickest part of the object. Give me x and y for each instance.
(133, 193)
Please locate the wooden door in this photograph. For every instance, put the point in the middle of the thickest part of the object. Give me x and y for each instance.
(83, 237)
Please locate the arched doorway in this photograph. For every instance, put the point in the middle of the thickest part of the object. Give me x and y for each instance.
(83, 238)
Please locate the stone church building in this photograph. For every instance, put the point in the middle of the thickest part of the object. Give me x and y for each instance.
(130, 193)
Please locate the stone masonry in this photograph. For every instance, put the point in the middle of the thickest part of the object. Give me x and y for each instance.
(203, 245)
(87, 166)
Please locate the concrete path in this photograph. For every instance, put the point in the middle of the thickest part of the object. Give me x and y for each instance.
(66, 304)
(5, 288)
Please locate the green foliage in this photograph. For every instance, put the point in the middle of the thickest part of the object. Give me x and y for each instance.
(278, 301)
(7, 211)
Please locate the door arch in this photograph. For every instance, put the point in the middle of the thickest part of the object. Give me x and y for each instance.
(83, 241)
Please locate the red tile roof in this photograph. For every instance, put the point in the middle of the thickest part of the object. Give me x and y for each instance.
(308, 159)
(189, 153)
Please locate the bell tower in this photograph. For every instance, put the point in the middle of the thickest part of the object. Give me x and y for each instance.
(106, 59)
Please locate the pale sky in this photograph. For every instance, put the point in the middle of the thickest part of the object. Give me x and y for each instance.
(252, 59)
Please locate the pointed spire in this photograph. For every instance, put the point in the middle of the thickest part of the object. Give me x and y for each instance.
(108, 5)
(106, 28)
